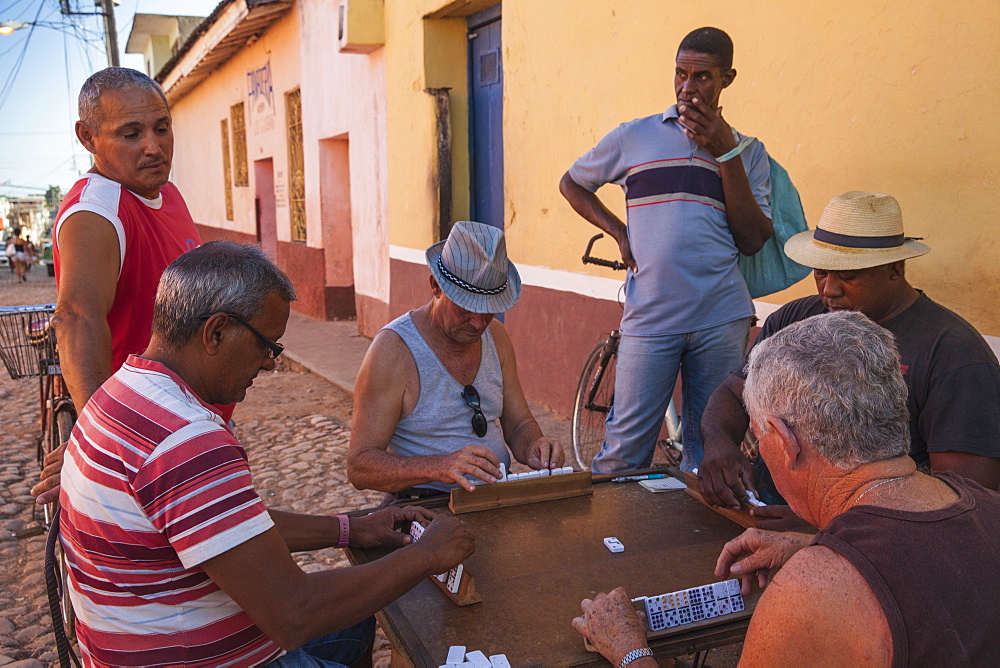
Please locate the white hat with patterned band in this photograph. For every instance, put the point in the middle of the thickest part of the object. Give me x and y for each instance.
(857, 230)
(472, 268)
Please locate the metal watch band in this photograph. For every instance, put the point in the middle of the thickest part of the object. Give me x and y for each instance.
(344, 539)
(633, 655)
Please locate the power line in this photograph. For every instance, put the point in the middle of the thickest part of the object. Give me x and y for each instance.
(9, 84)
(11, 6)
(35, 132)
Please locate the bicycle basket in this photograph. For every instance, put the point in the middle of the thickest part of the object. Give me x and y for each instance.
(27, 343)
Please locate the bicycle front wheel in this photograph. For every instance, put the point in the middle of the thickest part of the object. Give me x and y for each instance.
(595, 394)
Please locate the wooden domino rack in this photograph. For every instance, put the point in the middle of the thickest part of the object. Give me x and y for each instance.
(520, 492)
(741, 516)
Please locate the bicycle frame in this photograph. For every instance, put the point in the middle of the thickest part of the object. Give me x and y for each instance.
(610, 349)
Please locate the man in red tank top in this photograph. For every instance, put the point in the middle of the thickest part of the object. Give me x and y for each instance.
(118, 228)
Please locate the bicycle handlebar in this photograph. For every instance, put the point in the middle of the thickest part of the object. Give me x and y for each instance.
(589, 259)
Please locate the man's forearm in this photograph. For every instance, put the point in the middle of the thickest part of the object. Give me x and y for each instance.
(84, 352)
(522, 438)
(747, 223)
(306, 532)
(590, 207)
(385, 472)
(724, 420)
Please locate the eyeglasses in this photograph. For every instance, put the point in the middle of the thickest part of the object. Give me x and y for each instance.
(479, 424)
(273, 348)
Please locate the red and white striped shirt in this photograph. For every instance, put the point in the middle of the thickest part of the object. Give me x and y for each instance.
(154, 484)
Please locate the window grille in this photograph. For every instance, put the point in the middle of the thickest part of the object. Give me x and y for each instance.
(227, 170)
(296, 165)
(241, 176)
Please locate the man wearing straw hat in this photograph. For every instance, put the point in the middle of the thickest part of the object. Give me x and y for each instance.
(858, 252)
(438, 401)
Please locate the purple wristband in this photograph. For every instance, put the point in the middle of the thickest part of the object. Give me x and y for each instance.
(345, 531)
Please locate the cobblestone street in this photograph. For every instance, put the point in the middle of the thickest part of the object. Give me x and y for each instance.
(294, 426)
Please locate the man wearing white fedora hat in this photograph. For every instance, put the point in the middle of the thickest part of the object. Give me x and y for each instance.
(438, 401)
(857, 252)
(694, 202)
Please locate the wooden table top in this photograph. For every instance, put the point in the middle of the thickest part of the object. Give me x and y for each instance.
(534, 564)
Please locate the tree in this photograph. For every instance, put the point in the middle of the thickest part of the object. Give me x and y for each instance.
(53, 197)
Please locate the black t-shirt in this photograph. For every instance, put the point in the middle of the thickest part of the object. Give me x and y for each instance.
(950, 371)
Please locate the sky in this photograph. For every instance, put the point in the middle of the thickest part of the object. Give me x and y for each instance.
(41, 71)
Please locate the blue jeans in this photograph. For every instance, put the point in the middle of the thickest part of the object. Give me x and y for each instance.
(644, 382)
(333, 651)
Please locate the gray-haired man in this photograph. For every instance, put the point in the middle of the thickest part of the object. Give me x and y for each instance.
(438, 400)
(903, 570)
(159, 507)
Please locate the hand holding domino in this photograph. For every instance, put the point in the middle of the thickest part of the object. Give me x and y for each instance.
(447, 540)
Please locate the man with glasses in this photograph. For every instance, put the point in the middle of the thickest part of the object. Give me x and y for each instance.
(174, 560)
(438, 401)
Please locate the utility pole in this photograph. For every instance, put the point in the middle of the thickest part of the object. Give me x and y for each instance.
(110, 32)
(107, 10)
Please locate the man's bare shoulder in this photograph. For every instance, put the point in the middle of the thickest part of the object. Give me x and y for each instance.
(498, 327)
(501, 338)
(818, 609)
(388, 360)
(387, 349)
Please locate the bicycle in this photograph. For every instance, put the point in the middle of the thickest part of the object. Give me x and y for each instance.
(595, 392)
(28, 349)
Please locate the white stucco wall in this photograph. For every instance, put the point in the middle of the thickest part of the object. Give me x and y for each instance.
(344, 94)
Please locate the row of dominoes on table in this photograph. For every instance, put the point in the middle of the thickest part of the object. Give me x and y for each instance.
(528, 475)
(457, 657)
(688, 606)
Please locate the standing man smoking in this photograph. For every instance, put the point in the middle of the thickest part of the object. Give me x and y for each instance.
(693, 206)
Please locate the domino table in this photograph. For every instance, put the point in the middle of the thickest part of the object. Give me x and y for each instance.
(534, 563)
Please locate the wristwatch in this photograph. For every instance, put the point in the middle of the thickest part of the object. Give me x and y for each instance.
(633, 655)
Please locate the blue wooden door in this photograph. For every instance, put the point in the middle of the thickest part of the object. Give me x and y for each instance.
(486, 116)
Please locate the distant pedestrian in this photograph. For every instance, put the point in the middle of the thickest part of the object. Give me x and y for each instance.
(20, 255)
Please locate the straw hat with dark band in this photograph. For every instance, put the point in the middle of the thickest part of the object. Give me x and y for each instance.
(472, 268)
(857, 230)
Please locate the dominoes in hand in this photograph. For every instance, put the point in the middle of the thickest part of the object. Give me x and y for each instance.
(452, 580)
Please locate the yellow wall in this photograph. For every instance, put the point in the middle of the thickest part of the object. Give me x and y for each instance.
(423, 53)
(894, 97)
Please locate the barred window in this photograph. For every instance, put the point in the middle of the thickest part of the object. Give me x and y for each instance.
(241, 175)
(227, 170)
(296, 165)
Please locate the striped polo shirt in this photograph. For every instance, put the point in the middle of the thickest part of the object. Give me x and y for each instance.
(154, 484)
(688, 278)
